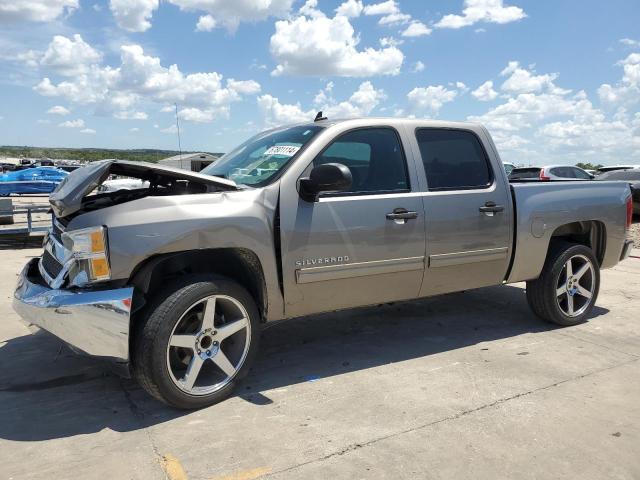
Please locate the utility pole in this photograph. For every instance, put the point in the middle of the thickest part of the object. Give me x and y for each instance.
(178, 128)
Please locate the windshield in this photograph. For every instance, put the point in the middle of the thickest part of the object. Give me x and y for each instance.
(262, 157)
(620, 175)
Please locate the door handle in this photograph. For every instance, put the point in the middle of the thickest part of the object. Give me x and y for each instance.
(490, 208)
(401, 215)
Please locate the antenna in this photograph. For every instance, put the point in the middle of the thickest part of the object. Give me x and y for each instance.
(178, 128)
(319, 117)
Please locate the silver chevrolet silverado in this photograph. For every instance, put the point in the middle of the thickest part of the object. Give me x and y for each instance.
(173, 281)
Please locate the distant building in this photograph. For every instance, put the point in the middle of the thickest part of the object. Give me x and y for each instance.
(191, 161)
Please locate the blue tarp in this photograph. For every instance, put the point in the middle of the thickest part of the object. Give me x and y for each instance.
(31, 180)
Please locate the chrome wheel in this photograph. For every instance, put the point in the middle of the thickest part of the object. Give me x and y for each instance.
(208, 345)
(575, 286)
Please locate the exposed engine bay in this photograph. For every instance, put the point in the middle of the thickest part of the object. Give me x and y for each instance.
(80, 191)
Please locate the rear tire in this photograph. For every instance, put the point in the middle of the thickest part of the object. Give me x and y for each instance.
(195, 341)
(568, 286)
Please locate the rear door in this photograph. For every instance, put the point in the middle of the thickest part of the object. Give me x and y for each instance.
(351, 248)
(467, 211)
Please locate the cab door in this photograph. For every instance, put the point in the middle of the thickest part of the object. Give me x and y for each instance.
(360, 247)
(467, 211)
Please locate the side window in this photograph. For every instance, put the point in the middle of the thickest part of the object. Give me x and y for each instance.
(374, 156)
(581, 175)
(453, 159)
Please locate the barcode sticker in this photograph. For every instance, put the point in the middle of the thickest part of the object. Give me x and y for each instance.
(284, 150)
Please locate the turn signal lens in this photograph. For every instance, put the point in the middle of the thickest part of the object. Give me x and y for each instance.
(99, 268)
(97, 241)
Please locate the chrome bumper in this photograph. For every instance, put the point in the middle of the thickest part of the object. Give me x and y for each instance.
(94, 322)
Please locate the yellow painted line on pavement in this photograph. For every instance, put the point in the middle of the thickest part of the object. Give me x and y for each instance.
(246, 474)
(173, 468)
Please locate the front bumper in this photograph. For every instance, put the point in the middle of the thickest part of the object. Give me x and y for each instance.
(95, 322)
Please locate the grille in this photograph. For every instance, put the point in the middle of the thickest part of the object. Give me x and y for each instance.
(56, 231)
(51, 265)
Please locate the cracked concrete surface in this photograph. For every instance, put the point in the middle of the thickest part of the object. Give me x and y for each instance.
(469, 384)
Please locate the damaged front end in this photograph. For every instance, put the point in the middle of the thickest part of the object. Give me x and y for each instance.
(78, 191)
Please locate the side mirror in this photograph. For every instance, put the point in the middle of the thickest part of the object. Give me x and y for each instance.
(330, 177)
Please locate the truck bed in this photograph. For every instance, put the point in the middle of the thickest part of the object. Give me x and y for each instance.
(543, 207)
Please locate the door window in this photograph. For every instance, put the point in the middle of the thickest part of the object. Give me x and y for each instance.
(582, 175)
(453, 159)
(375, 158)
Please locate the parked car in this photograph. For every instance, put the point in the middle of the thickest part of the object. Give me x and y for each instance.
(7, 167)
(632, 176)
(551, 172)
(174, 282)
(611, 168)
(508, 167)
(122, 184)
(31, 180)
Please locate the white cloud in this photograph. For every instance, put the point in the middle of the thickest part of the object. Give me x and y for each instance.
(133, 15)
(170, 129)
(89, 131)
(627, 91)
(244, 87)
(430, 99)
(485, 92)
(395, 19)
(79, 123)
(277, 113)
(141, 77)
(69, 56)
(492, 11)
(418, 67)
(231, 12)
(350, 8)
(134, 129)
(59, 110)
(206, 23)
(629, 42)
(389, 10)
(130, 115)
(384, 8)
(524, 81)
(548, 125)
(328, 46)
(203, 115)
(35, 10)
(390, 42)
(416, 29)
(361, 103)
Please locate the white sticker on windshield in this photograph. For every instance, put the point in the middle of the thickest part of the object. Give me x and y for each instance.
(284, 150)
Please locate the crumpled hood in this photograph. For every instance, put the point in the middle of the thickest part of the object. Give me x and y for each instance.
(67, 197)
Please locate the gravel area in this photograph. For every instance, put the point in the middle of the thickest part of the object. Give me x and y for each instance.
(635, 233)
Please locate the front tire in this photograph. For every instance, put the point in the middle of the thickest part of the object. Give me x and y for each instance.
(196, 340)
(567, 289)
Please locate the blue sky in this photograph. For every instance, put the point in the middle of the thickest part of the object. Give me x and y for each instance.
(554, 81)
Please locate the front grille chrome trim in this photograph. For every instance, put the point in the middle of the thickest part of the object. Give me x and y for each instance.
(64, 257)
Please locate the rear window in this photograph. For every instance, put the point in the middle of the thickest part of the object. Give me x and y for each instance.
(522, 173)
(620, 175)
(453, 159)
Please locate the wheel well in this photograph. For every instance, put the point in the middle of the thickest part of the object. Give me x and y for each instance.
(239, 264)
(589, 233)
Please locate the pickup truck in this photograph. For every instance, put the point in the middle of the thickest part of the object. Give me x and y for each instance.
(174, 280)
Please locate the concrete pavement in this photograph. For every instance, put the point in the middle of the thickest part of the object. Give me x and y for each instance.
(468, 384)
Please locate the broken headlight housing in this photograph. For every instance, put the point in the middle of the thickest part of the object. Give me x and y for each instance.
(88, 247)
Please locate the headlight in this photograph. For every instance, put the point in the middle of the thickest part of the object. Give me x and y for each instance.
(89, 248)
